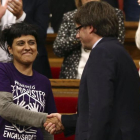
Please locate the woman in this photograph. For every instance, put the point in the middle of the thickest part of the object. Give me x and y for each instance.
(25, 95)
(66, 45)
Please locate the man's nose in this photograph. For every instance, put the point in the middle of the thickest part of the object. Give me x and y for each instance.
(77, 35)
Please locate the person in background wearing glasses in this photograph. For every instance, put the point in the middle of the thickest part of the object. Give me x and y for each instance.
(109, 92)
(66, 45)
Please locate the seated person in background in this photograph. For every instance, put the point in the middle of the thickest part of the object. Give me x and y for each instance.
(24, 100)
(66, 45)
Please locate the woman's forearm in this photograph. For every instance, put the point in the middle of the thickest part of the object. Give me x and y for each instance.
(16, 114)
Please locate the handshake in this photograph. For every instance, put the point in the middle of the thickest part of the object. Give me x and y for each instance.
(53, 123)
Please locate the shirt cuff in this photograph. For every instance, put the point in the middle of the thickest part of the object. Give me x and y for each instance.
(22, 17)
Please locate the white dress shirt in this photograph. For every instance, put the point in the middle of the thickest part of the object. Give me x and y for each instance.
(83, 60)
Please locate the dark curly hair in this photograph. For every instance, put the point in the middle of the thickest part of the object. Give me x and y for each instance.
(16, 30)
(101, 16)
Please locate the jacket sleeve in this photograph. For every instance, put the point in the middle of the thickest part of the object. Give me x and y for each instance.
(101, 93)
(69, 123)
(66, 41)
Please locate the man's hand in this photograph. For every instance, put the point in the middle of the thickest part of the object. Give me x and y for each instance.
(53, 124)
(3, 9)
(15, 7)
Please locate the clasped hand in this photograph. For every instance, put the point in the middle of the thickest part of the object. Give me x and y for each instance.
(53, 124)
(15, 7)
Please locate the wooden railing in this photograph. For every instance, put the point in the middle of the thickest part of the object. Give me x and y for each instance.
(130, 31)
(65, 87)
(130, 46)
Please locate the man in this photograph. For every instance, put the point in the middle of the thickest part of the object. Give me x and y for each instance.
(34, 12)
(109, 94)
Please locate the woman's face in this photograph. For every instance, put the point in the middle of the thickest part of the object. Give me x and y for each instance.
(24, 49)
(85, 1)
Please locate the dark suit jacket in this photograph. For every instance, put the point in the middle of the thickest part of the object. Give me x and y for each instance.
(37, 13)
(109, 96)
(131, 10)
(57, 9)
(113, 3)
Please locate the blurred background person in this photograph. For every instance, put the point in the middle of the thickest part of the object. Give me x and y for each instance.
(137, 37)
(113, 3)
(24, 100)
(66, 45)
(57, 9)
(35, 12)
(131, 10)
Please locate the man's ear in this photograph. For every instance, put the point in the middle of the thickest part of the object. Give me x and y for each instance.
(10, 50)
(92, 29)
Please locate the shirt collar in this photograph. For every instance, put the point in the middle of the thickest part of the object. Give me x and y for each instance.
(96, 43)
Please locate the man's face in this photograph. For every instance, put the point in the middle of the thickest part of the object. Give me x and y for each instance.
(83, 34)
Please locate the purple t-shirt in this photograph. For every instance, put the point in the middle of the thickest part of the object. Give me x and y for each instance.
(30, 92)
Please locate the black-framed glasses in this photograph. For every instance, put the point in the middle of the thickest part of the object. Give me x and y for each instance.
(78, 28)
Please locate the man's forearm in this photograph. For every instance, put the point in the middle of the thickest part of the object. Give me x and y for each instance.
(69, 122)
